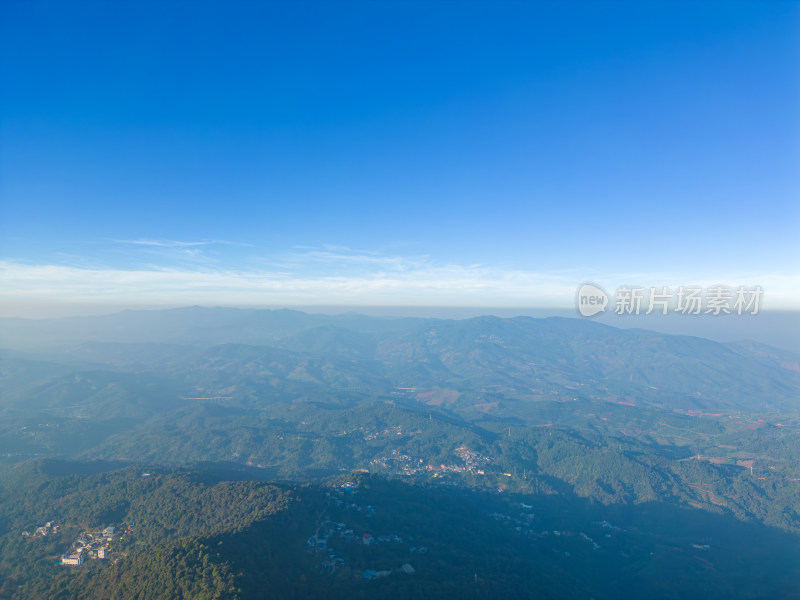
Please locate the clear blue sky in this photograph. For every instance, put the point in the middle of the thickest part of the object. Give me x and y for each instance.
(389, 153)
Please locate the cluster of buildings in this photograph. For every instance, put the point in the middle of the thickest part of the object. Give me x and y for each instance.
(89, 545)
(376, 434)
(402, 464)
(48, 528)
(472, 460)
(320, 540)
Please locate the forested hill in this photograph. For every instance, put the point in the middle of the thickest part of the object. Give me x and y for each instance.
(187, 533)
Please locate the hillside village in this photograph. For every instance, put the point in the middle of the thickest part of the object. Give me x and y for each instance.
(89, 545)
(400, 463)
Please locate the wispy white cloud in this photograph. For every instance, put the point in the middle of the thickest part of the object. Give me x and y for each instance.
(445, 284)
(162, 243)
(141, 253)
(333, 275)
(178, 243)
(340, 258)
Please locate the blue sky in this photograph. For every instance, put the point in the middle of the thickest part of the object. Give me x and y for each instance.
(379, 153)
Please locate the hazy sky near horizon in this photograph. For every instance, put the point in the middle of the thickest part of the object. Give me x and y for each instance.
(391, 153)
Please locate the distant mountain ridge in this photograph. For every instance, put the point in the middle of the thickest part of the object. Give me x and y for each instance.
(471, 362)
(194, 325)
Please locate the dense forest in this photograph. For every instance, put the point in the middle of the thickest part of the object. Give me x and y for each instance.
(191, 534)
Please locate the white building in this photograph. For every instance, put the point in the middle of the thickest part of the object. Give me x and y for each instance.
(73, 559)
